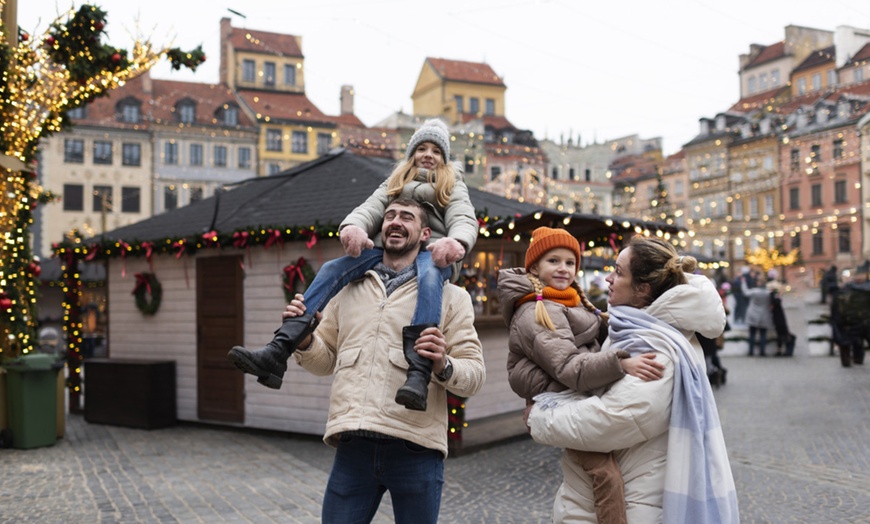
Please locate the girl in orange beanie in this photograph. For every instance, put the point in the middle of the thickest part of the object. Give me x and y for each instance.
(555, 341)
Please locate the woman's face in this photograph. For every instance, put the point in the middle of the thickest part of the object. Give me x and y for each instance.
(556, 268)
(427, 156)
(622, 292)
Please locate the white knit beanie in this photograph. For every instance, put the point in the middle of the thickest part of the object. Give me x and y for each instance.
(435, 131)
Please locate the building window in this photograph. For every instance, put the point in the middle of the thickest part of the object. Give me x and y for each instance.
(170, 153)
(324, 143)
(274, 140)
(249, 70)
(818, 242)
(844, 239)
(817, 82)
(494, 172)
(802, 86)
(762, 81)
(186, 112)
(102, 152)
(170, 198)
(794, 198)
(774, 78)
(299, 142)
(73, 197)
(572, 173)
(796, 240)
(458, 100)
(816, 153)
(269, 74)
(588, 175)
(490, 106)
(474, 105)
(77, 113)
(678, 188)
(289, 75)
(859, 75)
(230, 116)
(244, 157)
(220, 156)
(832, 78)
(73, 151)
(128, 111)
(816, 195)
(840, 192)
(273, 168)
(768, 205)
(753, 208)
(102, 199)
(130, 199)
(738, 210)
(555, 174)
(196, 154)
(795, 159)
(838, 149)
(751, 85)
(131, 154)
(195, 194)
(469, 164)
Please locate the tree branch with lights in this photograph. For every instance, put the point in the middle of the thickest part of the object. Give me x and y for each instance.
(41, 79)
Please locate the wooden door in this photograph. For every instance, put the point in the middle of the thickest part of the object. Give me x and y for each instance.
(219, 326)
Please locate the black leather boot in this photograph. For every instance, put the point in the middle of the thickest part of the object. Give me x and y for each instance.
(414, 392)
(270, 362)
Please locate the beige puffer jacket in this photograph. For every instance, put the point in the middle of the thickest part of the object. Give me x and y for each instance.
(359, 341)
(544, 360)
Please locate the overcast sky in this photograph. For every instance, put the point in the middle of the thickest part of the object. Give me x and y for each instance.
(601, 70)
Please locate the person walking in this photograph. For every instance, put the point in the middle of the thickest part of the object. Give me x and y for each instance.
(381, 446)
(740, 300)
(426, 175)
(759, 317)
(665, 433)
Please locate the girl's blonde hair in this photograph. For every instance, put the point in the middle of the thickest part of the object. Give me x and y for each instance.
(541, 315)
(442, 178)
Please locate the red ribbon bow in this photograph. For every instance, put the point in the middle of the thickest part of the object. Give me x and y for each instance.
(210, 238)
(240, 239)
(274, 238)
(291, 271)
(142, 279)
(179, 245)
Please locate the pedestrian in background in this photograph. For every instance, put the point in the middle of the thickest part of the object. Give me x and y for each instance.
(759, 316)
(785, 339)
(829, 281)
(740, 300)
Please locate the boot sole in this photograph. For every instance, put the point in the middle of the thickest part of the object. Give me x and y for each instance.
(245, 364)
(410, 400)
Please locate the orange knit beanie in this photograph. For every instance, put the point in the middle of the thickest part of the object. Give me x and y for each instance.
(545, 239)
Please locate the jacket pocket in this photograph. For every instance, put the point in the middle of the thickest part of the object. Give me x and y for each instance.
(346, 358)
(344, 388)
(397, 358)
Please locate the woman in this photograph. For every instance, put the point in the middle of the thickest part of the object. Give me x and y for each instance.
(665, 433)
(759, 317)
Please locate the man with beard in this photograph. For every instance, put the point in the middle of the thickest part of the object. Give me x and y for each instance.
(381, 445)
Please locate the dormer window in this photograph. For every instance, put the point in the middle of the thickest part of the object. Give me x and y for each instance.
(228, 115)
(186, 111)
(128, 111)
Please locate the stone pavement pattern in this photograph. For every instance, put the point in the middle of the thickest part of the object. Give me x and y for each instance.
(797, 430)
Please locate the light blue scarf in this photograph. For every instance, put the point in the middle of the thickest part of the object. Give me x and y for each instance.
(699, 487)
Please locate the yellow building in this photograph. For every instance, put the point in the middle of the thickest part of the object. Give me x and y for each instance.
(816, 73)
(458, 91)
(267, 72)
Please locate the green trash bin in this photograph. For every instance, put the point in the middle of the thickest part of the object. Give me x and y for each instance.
(31, 395)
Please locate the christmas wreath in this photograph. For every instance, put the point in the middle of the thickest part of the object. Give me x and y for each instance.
(297, 276)
(147, 283)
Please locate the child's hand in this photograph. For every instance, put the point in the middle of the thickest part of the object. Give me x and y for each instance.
(643, 367)
(354, 240)
(446, 251)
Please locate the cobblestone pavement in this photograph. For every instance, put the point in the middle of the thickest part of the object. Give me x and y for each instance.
(797, 430)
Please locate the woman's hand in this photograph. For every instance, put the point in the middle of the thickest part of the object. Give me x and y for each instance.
(529, 405)
(643, 366)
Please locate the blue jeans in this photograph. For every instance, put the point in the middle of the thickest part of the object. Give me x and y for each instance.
(365, 468)
(763, 342)
(337, 273)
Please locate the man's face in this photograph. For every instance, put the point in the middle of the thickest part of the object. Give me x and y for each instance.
(402, 230)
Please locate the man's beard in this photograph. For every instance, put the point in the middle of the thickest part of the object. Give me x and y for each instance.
(397, 251)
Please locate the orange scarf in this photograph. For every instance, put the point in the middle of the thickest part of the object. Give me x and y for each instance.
(569, 297)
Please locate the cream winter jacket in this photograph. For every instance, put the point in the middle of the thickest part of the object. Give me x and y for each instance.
(457, 220)
(631, 419)
(541, 359)
(359, 341)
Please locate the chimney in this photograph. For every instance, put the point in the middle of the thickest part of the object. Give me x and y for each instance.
(223, 73)
(147, 84)
(346, 100)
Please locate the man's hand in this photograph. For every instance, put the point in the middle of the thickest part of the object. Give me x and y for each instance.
(297, 308)
(643, 366)
(432, 345)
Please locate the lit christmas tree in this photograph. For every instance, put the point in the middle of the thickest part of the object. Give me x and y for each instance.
(43, 78)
